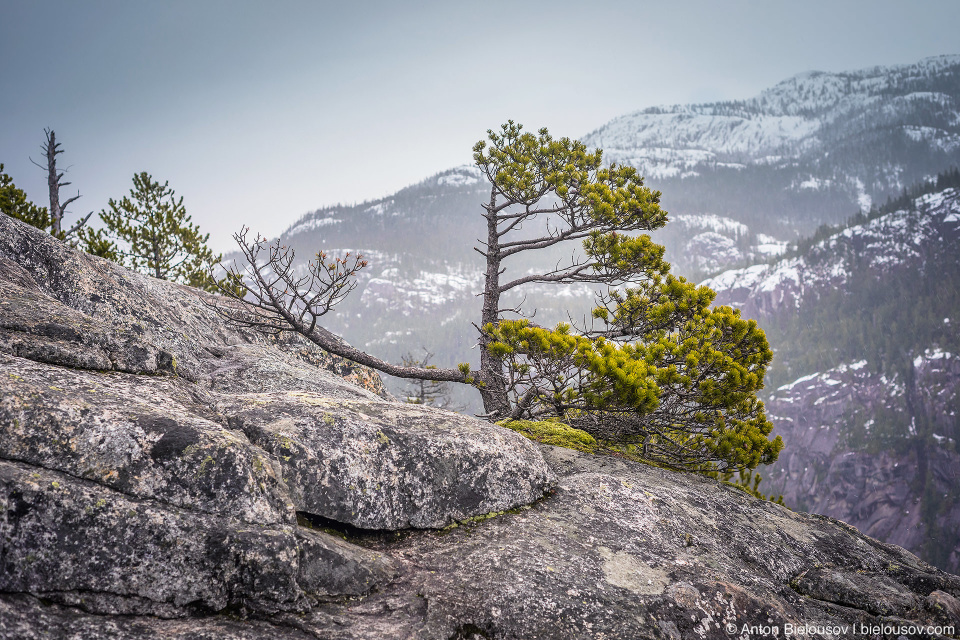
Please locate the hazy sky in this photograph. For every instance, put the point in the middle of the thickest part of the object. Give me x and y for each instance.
(257, 112)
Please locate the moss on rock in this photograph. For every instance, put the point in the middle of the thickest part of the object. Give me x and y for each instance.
(552, 431)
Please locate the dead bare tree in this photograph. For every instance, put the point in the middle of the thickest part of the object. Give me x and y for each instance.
(278, 298)
(51, 149)
(432, 393)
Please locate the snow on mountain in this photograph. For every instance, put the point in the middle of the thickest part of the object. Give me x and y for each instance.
(311, 221)
(425, 292)
(795, 117)
(808, 151)
(668, 144)
(709, 221)
(888, 240)
(768, 246)
(381, 208)
(947, 142)
(460, 176)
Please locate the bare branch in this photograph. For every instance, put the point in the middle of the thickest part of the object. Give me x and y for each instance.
(64, 205)
(279, 300)
(79, 224)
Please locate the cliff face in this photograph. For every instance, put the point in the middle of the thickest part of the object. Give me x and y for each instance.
(851, 452)
(872, 440)
(162, 476)
(896, 241)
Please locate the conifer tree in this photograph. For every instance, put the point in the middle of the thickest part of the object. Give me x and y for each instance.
(659, 369)
(157, 235)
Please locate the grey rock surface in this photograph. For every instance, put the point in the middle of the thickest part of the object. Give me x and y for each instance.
(243, 488)
(144, 467)
(386, 465)
(64, 307)
(618, 550)
(96, 548)
(153, 437)
(623, 550)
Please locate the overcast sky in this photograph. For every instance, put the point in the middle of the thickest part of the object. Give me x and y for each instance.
(257, 112)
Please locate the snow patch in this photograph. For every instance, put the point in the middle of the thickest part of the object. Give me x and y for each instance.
(770, 246)
(380, 208)
(312, 223)
(461, 176)
(710, 221)
(814, 183)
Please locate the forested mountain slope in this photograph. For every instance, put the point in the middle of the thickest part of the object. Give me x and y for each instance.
(883, 287)
(866, 377)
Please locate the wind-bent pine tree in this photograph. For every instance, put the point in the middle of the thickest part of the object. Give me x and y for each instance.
(658, 368)
(537, 177)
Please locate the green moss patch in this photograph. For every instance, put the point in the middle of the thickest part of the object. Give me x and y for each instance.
(553, 432)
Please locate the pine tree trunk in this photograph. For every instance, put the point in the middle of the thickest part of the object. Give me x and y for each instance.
(496, 404)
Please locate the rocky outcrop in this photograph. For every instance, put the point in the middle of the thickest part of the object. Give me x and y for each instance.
(154, 460)
(377, 465)
(618, 550)
(164, 476)
(710, 251)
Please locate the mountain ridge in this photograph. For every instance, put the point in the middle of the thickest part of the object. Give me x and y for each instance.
(815, 171)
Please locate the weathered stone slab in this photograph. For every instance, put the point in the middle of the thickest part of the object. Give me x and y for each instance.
(146, 436)
(384, 465)
(63, 536)
(623, 550)
(126, 311)
(33, 325)
(24, 617)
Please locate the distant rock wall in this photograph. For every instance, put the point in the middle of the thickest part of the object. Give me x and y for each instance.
(832, 462)
(828, 466)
